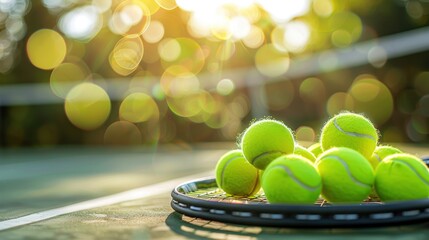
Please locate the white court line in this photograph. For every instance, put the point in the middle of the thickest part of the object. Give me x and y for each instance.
(133, 194)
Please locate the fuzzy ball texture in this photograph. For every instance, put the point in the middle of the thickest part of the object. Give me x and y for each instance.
(265, 140)
(302, 151)
(350, 130)
(380, 153)
(291, 179)
(402, 176)
(316, 149)
(236, 176)
(346, 175)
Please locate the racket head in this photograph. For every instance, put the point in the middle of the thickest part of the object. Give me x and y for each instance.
(203, 199)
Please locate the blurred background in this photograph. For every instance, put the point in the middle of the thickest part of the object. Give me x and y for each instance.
(148, 72)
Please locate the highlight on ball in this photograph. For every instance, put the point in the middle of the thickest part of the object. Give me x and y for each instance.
(347, 165)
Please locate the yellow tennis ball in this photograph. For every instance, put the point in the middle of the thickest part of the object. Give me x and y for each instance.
(380, 153)
(302, 151)
(265, 140)
(350, 130)
(291, 179)
(346, 175)
(316, 149)
(402, 176)
(236, 176)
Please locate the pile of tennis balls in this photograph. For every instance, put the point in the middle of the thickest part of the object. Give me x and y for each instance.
(347, 165)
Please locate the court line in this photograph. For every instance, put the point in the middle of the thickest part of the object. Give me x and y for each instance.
(133, 194)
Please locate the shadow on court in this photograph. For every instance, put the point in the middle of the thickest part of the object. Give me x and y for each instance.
(196, 228)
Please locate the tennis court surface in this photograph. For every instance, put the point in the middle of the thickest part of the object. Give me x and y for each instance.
(124, 193)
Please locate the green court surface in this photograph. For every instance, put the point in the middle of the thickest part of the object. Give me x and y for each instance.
(87, 193)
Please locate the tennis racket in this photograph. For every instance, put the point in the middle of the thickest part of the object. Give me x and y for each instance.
(203, 199)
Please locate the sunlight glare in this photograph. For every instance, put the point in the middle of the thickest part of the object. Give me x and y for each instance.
(283, 11)
(296, 36)
(240, 27)
(81, 23)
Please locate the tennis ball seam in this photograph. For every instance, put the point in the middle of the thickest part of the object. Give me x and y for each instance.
(348, 171)
(255, 184)
(412, 169)
(295, 179)
(377, 157)
(263, 154)
(353, 134)
(224, 168)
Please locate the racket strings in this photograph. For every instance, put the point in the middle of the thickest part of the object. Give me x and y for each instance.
(218, 195)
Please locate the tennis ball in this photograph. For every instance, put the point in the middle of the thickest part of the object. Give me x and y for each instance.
(380, 153)
(291, 179)
(265, 140)
(236, 176)
(316, 149)
(302, 151)
(402, 176)
(346, 175)
(350, 130)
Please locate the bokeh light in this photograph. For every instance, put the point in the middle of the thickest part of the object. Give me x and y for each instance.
(416, 128)
(187, 105)
(240, 27)
(339, 102)
(81, 23)
(346, 28)
(87, 106)
(167, 4)
(130, 18)
(66, 75)
(312, 90)
(270, 62)
(377, 57)
(138, 107)
(122, 133)
(224, 20)
(423, 106)
(225, 87)
(415, 9)
(372, 97)
(296, 36)
(182, 51)
(46, 49)
(421, 83)
(102, 5)
(278, 38)
(13, 28)
(189, 70)
(210, 111)
(323, 8)
(283, 11)
(305, 133)
(178, 81)
(255, 38)
(154, 33)
(126, 55)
